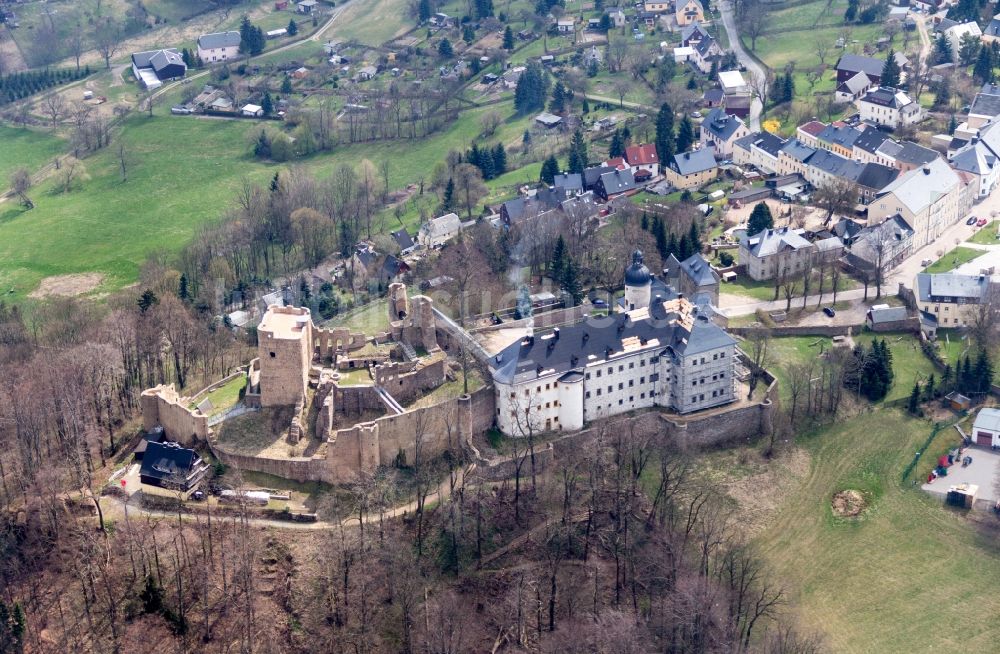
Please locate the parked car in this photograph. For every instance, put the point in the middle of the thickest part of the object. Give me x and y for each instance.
(981, 222)
(971, 220)
(829, 311)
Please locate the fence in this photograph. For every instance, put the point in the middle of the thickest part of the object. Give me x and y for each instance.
(916, 457)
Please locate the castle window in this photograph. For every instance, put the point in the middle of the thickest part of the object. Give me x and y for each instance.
(631, 383)
(621, 386)
(631, 364)
(272, 355)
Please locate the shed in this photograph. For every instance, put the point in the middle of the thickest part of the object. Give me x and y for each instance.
(547, 120)
(962, 495)
(986, 428)
(252, 110)
(958, 402)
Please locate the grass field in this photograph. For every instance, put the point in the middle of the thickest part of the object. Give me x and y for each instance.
(764, 290)
(987, 235)
(25, 147)
(904, 576)
(953, 259)
(908, 361)
(372, 23)
(225, 396)
(182, 173)
(368, 319)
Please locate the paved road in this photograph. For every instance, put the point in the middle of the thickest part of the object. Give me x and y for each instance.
(753, 68)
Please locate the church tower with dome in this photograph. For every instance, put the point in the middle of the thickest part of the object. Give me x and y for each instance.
(638, 284)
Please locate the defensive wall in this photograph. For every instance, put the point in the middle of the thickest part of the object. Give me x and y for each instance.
(163, 406)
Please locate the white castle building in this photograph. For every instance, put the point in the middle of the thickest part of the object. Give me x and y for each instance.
(659, 352)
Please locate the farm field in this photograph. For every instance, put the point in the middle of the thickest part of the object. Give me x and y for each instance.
(899, 577)
(25, 147)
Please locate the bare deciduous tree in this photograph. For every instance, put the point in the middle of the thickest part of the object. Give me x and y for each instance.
(20, 183)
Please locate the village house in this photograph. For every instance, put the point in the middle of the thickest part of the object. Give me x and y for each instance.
(656, 6)
(850, 65)
(889, 107)
(720, 130)
(706, 52)
(617, 17)
(808, 133)
(687, 12)
(153, 67)
(884, 245)
(615, 183)
(306, 6)
(661, 352)
(953, 298)
(438, 231)
(566, 25)
(643, 159)
(854, 88)
(980, 157)
(692, 169)
(169, 470)
(252, 111)
(760, 150)
(986, 428)
(774, 252)
(838, 137)
(404, 241)
(956, 33)
(218, 46)
(694, 278)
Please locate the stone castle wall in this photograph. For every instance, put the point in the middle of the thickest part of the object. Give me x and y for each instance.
(408, 381)
(163, 406)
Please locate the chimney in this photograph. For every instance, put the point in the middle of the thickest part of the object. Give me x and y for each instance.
(555, 334)
(927, 169)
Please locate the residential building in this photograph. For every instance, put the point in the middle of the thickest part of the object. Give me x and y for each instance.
(592, 175)
(774, 252)
(152, 67)
(854, 88)
(838, 137)
(615, 183)
(656, 6)
(883, 246)
(905, 155)
(954, 298)
(692, 34)
(438, 231)
(694, 278)
(956, 33)
(617, 17)
(252, 111)
(793, 157)
(404, 241)
(871, 179)
(692, 169)
(643, 158)
(732, 82)
(663, 354)
(706, 52)
(825, 168)
(866, 145)
(850, 65)
(566, 25)
(979, 158)
(929, 199)
(218, 46)
(720, 130)
(808, 132)
(992, 31)
(169, 470)
(889, 107)
(306, 6)
(760, 150)
(687, 12)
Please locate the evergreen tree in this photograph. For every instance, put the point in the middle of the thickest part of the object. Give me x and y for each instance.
(593, 68)
(684, 249)
(852, 11)
(550, 168)
(526, 139)
(942, 49)
(760, 219)
(617, 147)
(558, 261)
(788, 87)
(447, 202)
(508, 39)
(663, 242)
(672, 245)
(293, 27)
(665, 134)
(946, 375)
(484, 9)
(182, 288)
(558, 103)
(685, 135)
(499, 160)
(532, 89)
(692, 84)
(186, 56)
(982, 374)
(577, 153)
(929, 388)
(943, 95)
(890, 71)
(286, 85)
(445, 49)
(425, 10)
(585, 106)
(267, 104)
(644, 222)
(982, 72)
(571, 280)
(147, 300)
(694, 237)
(468, 34)
(914, 402)
(965, 380)
(486, 163)
(968, 49)
(473, 156)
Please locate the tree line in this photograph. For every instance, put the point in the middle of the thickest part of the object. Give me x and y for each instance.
(21, 85)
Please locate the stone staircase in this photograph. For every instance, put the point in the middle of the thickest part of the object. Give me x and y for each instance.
(389, 401)
(408, 352)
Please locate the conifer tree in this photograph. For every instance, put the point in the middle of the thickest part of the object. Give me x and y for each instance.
(617, 147)
(665, 142)
(890, 71)
(685, 135)
(550, 168)
(577, 153)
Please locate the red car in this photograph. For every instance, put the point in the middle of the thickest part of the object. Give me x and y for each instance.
(981, 222)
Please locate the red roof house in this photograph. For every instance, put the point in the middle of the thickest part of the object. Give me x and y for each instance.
(643, 157)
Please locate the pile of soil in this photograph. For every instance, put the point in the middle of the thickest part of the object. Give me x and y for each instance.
(848, 503)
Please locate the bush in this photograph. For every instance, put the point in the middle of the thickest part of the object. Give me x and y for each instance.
(726, 259)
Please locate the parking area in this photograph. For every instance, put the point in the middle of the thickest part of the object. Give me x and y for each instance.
(983, 472)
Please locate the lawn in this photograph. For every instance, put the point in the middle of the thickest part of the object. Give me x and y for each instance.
(371, 23)
(764, 290)
(26, 147)
(908, 361)
(224, 397)
(904, 576)
(368, 319)
(953, 259)
(988, 235)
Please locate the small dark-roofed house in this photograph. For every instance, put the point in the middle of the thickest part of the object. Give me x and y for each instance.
(692, 34)
(404, 241)
(853, 88)
(847, 230)
(568, 184)
(169, 470)
(992, 31)
(152, 67)
(984, 108)
(872, 179)
(885, 244)
(592, 175)
(713, 97)
(615, 183)
(392, 270)
(693, 169)
(852, 64)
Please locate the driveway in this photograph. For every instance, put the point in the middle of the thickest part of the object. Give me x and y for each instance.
(754, 68)
(983, 472)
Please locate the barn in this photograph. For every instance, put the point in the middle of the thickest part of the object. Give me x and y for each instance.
(986, 428)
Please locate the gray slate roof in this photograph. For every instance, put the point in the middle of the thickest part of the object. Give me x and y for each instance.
(698, 271)
(843, 135)
(696, 161)
(219, 40)
(985, 104)
(772, 241)
(836, 165)
(876, 176)
(870, 139)
(921, 187)
(618, 181)
(798, 150)
(720, 124)
(931, 286)
(889, 314)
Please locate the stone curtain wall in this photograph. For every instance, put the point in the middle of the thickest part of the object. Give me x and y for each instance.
(161, 405)
(407, 381)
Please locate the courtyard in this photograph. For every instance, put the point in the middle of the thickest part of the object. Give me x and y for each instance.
(983, 472)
